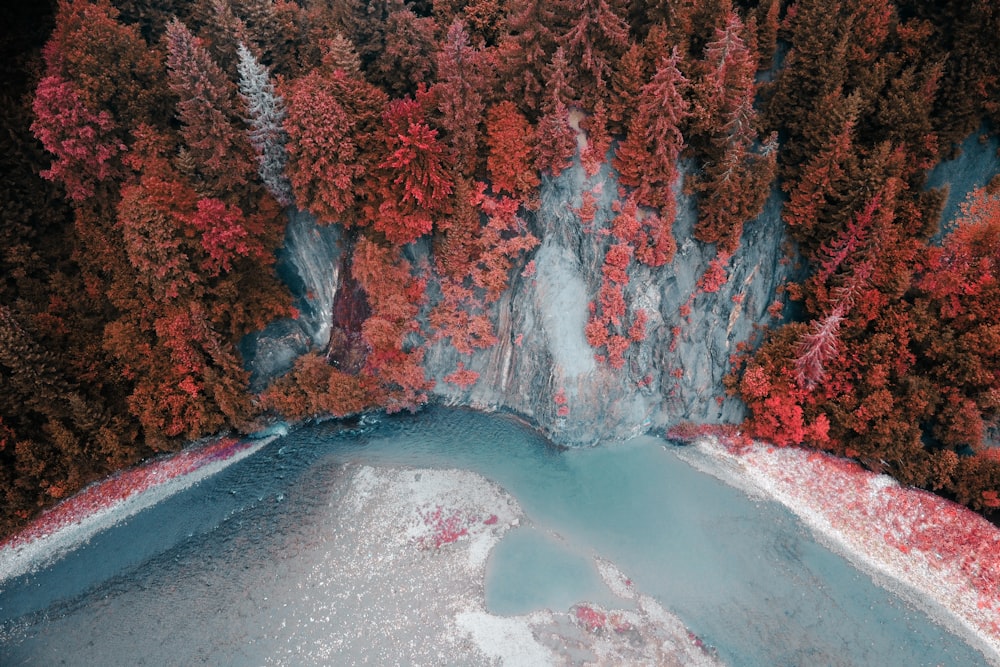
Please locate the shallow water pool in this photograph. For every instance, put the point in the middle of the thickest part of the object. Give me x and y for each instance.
(198, 577)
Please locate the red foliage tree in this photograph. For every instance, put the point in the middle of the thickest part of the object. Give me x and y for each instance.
(725, 81)
(226, 234)
(407, 57)
(524, 50)
(462, 377)
(556, 139)
(460, 317)
(647, 159)
(737, 177)
(394, 296)
(112, 67)
(417, 180)
(314, 388)
(502, 240)
(817, 348)
(511, 163)
(334, 128)
(218, 153)
(627, 79)
(82, 142)
(820, 179)
(459, 91)
(596, 38)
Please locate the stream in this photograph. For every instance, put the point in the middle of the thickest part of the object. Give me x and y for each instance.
(195, 578)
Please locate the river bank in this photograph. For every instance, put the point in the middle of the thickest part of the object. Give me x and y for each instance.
(937, 554)
(343, 543)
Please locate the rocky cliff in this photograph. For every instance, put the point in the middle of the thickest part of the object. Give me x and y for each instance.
(542, 349)
(674, 375)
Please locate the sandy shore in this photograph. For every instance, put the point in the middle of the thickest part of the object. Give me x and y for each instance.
(394, 570)
(938, 555)
(411, 547)
(105, 503)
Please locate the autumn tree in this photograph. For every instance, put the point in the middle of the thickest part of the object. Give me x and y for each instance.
(315, 388)
(526, 46)
(339, 53)
(417, 181)
(725, 82)
(281, 31)
(408, 56)
(627, 80)
(961, 286)
(737, 174)
(394, 296)
(597, 37)
(510, 162)
(820, 181)
(333, 125)
(82, 142)
(502, 240)
(556, 139)
(647, 159)
(111, 66)
(460, 100)
(216, 154)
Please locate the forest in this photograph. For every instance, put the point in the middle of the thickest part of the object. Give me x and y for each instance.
(153, 149)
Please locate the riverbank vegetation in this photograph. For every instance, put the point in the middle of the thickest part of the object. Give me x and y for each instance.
(153, 149)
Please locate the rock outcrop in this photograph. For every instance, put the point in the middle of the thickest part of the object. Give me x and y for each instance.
(542, 350)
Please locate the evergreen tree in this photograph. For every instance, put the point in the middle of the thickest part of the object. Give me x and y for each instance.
(459, 92)
(267, 135)
(647, 159)
(216, 151)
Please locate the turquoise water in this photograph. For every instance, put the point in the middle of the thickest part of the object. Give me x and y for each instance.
(178, 582)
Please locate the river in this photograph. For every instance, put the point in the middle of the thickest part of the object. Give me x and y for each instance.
(219, 573)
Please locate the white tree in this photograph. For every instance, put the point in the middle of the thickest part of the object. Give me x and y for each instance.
(267, 135)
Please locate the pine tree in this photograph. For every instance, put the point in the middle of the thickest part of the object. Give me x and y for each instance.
(511, 163)
(556, 139)
(627, 80)
(459, 93)
(268, 137)
(417, 180)
(334, 128)
(817, 186)
(407, 58)
(647, 159)
(339, 53)
(525, 49)
(112, 67)
(218, 151)
(596, 39)
(724, 85)
(737, 175)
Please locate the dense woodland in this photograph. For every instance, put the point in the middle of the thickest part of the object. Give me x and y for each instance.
(152, 148)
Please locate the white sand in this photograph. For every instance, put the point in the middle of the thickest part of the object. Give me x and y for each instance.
(22, 557)
(437, 527)
(877, 525)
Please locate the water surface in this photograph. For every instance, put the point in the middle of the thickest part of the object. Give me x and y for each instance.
(215, 574)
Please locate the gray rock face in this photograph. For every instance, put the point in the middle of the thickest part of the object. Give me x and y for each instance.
(272, 352)
(542, 350)
(309, 264)
(975, 165)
